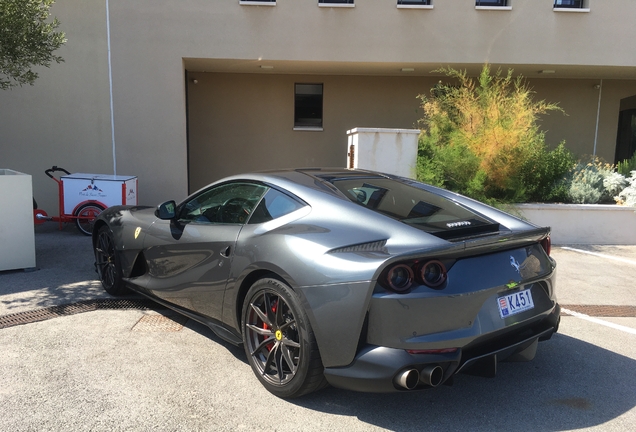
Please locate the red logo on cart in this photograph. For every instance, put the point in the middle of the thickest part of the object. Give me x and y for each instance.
(92, 188)
(92, 191)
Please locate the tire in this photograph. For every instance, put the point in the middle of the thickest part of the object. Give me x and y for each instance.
(107, 263)
(86, 216)
(279, 342)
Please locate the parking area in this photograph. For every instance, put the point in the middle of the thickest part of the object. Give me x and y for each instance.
(135, 366)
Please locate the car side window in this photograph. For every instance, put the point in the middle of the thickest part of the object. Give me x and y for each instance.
(230, 203)
(274, 205)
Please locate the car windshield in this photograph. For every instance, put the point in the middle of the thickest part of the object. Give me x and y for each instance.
(414, 206)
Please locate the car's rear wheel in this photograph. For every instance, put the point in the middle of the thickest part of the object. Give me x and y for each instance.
(107, 262)
(279, 342)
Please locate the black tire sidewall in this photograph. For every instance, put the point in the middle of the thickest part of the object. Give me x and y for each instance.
(296, 386)
(79, 210)
(118, 287)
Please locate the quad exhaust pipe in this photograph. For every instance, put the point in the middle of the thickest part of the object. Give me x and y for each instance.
(430, 376)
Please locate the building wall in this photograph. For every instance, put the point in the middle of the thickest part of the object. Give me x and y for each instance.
(65, 118)
(242, 122)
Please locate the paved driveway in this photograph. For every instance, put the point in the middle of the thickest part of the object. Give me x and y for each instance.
(147, 369)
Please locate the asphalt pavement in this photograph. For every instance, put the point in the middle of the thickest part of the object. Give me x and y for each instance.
(146, 368)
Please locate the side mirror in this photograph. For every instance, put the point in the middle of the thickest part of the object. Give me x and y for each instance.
(166, 211)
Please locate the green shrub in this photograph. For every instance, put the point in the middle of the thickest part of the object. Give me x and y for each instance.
(544, 175)
(626, 166)
(628, 195)
(480, 138)
(587, 182)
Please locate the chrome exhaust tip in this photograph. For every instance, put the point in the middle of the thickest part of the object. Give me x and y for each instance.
(432, 375)
(408, 379)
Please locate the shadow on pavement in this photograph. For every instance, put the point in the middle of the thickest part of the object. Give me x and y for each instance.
(569, 385)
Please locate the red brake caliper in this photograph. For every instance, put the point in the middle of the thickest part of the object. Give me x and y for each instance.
(265, 326)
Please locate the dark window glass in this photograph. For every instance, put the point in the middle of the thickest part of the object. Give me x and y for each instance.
(414, 206)
(227, 203)
(491, 3)
(335, 1)
(414, 2)
(308, 105)
(575, 4)
(274, 205)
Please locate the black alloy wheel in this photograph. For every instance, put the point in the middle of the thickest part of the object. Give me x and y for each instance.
(279, 342)
(107, 263)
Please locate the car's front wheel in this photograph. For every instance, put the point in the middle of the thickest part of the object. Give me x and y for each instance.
(279, 341)
(107, 262)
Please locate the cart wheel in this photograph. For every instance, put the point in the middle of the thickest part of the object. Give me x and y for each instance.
(86, 216)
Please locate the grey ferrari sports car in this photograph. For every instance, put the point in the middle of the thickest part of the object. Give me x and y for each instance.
(357, 279)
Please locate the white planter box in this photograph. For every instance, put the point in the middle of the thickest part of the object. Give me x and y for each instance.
(393, 151)
(17, 236)
(584, 223)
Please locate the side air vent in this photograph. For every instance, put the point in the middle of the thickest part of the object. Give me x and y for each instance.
(376, 246)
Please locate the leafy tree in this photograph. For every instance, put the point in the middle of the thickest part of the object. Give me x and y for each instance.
(27, 38)
(480, 138)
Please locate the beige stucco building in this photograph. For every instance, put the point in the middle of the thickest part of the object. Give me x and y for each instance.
(206, 88)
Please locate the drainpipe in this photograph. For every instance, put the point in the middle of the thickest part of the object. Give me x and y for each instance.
(110, 83)
(598, 113)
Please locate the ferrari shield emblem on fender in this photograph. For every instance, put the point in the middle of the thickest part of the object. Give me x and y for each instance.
(137, 231)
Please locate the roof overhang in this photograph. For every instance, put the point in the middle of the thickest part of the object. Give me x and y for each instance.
(264, 66)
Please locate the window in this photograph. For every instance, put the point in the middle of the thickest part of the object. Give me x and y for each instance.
(258, 2)
(414, 206)
(414, 2)
(495, 3)
(570, 4)
(336, 3)
(274, 205)
(308, 106)
(229, 203)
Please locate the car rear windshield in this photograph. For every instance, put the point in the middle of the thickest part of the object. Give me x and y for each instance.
(414, 206)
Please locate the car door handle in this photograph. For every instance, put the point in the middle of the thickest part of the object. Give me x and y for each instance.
(226, 252)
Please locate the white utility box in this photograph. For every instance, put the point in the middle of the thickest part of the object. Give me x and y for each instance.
(393, 151)
(17, 235)
(107, 190)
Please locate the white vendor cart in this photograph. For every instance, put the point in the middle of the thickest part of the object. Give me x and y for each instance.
(82, 197)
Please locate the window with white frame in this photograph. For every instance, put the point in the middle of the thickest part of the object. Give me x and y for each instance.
(492, 3)
(570, 4)
(415, 2)
(308, 106)
(335, 3)
(258, 2)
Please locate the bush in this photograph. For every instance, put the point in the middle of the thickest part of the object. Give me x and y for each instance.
(628, 195)
(594, 182)
(480, 138)
(626, 166)
(545, 174)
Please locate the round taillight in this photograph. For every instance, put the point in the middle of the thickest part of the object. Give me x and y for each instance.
(400, 278)
(433, 273)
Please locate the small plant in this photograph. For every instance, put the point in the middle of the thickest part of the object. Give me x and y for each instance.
(628, 195)
(626, 166)
(587, 184)
(614, 183)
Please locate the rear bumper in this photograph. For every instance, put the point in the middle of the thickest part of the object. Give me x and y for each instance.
(376, 368)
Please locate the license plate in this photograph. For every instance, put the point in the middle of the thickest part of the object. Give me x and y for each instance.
(515, 303)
